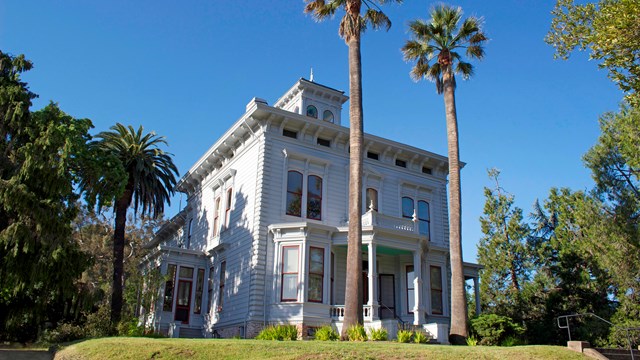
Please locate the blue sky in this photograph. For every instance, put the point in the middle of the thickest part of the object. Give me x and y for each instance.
(187, 69)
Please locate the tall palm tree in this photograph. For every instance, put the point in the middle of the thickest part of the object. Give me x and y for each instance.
(150, 179)
(442, 38)
(358, 15)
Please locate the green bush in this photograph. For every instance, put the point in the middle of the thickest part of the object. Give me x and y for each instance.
(356, 333)
(378, 334)
(511, 341)
(279, 332)
(63, 333)
(98, 324)
(130, 328)
(472, 341)
(420, 337)
(404, 336)
(493, 329)
(326, 333)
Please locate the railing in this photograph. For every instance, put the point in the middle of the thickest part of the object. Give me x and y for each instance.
(337, 312)
(567, 326)
(373, 218)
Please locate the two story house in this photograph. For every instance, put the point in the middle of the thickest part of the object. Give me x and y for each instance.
(263, 237)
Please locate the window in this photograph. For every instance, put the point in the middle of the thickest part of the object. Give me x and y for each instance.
(423, 217)
(312, 111)
(372, 199)
(436, 290)
(426, 170)
(294, 199)
(189, 234)
(316, 274)
(314, 197)
(168, 288)
(223, 270)
(210, 291)
(289, 288)
(332, 276)
(294, 193)
(199, 287)
(227, 209)
(290, 133)
(216, 217)
(411, 299)
(373, 156)
(407, 207)
(401, 163)
(186, 273)
(324, 142)
(327, 116)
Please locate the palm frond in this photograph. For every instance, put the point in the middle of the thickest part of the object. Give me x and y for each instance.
(320, 9)
(475, 51)
(465, 69)
(377, 19)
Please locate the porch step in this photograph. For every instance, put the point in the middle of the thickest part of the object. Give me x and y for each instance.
(191, 333)
(618, 354)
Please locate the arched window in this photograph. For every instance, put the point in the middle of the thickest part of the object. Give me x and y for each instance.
(189, 234)
(294, 193)
(314, 197)
(372, 198)
(216, 217)
(407, 207)
(312, 111)
(423, 217)
(327, 116)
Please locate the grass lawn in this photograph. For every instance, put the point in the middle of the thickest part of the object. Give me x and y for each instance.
(143, 348)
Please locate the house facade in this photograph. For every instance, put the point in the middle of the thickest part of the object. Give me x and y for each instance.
(263, 237)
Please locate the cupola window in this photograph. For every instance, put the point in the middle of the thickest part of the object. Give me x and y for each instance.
(312, 111)
(327, 116)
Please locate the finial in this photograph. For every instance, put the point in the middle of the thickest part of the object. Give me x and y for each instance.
(311, 76)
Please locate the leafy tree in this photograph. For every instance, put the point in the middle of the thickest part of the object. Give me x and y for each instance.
(610, 29)
(43, 157)
(503, 251)
(441, 38)
(359, 14)
(149, 184)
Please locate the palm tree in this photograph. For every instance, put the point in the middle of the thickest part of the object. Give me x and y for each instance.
(358, 15)
(150, 179)
(441, 38)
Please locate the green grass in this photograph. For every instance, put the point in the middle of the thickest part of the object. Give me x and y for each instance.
(141, 348)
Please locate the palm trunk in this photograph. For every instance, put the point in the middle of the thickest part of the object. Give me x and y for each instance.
(459, 331)
(353, 291)
(122, 204)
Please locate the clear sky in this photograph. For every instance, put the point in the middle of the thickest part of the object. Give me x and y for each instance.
(186, 69)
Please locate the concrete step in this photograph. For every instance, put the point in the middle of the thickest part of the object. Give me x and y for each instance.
(191, 333)
(618, 354)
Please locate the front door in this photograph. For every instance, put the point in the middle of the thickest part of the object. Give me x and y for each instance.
(183, 304)
(387, 296)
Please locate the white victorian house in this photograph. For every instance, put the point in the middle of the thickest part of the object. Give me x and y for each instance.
(263, 238)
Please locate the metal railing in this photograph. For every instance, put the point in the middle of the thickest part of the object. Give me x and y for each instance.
(568, 327)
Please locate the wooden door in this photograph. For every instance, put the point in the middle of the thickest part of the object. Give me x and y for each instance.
(183, 301)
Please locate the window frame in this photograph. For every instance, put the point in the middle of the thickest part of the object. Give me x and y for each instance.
(189, 233)
(366, 197)
(436, 290)
(310, 106)
(311, 196)
(324, 116)
(410, 286)
(199, 291)
(171, 297)
(413, 202)
(282, 273)
(321, 275)
(427, 219)
(221, 283)
(227, 209)
(217, 203)
(300, 194)
(210, 289)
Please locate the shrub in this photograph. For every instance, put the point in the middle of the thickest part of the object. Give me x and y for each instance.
(404, 336)
(378, 334)
(130, 328)
(326, 333)
(511, 341)
(472, 341)
(420, 337)
(98, 324)
(493, 329)
(279, 332)
(63, 333)
(356, 333)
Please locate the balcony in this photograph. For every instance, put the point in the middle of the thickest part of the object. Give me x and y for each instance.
(373, 218)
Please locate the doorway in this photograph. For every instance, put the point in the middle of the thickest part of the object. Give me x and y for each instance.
(387, 296)
(183, 303)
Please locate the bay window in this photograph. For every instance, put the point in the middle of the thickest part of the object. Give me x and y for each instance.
(316, 274)
(290, 270)
(436, 290)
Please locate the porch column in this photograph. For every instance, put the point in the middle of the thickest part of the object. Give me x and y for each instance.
(476, 290)
(418, 319)
(373, 280)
